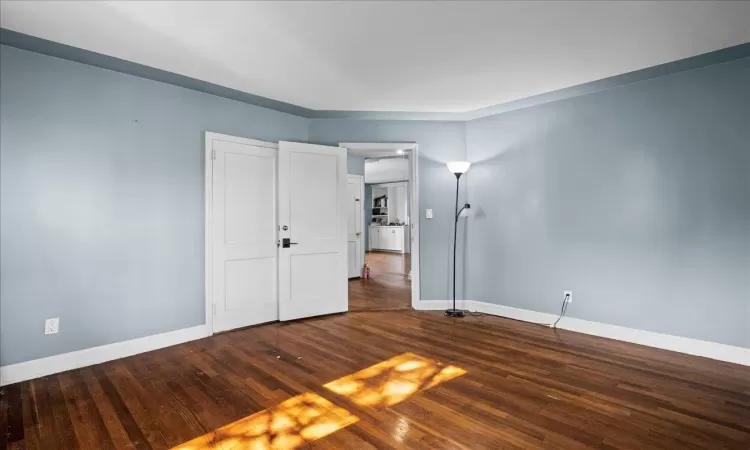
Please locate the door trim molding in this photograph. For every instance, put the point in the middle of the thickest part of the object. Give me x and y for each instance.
(379, 148)
(208, 197)
(362, 246)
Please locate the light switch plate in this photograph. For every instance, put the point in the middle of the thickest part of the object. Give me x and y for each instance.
(428, 213)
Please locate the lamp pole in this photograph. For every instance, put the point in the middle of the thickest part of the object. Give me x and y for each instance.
(456, 312)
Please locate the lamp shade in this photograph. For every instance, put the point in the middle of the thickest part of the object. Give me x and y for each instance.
(458, 166)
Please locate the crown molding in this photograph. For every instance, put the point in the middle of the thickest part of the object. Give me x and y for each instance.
(79, 55)
(58, 50)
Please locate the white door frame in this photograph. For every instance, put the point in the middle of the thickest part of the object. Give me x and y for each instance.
(362, 247)
(208, 196)
(379, 149)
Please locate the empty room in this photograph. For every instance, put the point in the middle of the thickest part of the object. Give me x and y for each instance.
(374, 225)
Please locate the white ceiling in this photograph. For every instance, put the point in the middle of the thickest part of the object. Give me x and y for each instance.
(386, 170)
(390, 56)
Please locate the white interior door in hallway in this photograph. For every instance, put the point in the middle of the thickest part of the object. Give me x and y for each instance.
(355, 215)
(244, 261)
(313, 216)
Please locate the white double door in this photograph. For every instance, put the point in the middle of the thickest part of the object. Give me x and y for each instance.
(278, 231)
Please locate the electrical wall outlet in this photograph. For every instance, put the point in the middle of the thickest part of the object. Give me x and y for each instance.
(568, 296)
(428, 213)
(51, 326)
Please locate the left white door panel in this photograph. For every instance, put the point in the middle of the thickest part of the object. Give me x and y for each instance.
(244, 252)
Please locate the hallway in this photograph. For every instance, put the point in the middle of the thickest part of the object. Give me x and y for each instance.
(388, 288)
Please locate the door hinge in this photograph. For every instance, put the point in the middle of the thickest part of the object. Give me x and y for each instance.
(213, 307)
(213, 154)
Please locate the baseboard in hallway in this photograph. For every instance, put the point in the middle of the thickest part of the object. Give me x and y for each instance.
(372, 310)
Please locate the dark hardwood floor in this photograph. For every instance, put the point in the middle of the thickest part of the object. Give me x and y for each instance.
(388, 288)
(390, 379)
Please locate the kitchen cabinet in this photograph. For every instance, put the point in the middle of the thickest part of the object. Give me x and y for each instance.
(380, 204)
(390, 203)
(375, 238)
(390, 238)
(396, 239)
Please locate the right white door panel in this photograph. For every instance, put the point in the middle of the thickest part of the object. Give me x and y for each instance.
(312, 205)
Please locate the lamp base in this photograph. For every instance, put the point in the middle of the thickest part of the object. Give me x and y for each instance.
(454, 313)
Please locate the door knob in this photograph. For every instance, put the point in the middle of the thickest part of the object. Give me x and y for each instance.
(358, 233)
(286, 243)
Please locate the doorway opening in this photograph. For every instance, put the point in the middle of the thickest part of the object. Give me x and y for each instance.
(383, 230)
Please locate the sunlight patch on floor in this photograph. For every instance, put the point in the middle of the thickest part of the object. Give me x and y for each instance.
(393, 380)
(289, 425)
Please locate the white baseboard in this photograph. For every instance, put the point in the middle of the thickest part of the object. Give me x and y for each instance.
(436, 305)
(721, 352)
(36, 368)
(28, 370)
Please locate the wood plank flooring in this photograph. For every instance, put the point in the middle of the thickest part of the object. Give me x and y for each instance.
(433, 383)
(388, 288)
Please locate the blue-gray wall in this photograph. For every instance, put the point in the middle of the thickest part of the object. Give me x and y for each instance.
(439, 142)
(101, 200)
(636, 198)
(355, 165)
